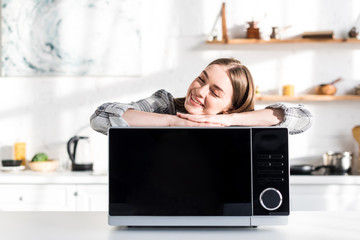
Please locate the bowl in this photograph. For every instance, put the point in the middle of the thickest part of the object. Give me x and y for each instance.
(11, 163)
(326, 89)
(46, 166)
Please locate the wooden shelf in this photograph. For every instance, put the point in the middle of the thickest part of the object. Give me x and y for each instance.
(308, 98)
(293, 40)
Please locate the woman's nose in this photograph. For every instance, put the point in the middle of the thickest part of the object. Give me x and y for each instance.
(202, 91)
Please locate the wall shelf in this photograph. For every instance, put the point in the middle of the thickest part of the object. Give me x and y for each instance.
(308, 98)
(293, 40)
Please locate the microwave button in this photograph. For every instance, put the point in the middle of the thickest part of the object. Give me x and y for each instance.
(271, 199)
(270, 164)
(264, 164)
(277, 164)
(270, 156)
(270, 172)
(275, 179)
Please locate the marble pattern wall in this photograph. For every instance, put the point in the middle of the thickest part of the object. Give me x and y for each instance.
(71, 38)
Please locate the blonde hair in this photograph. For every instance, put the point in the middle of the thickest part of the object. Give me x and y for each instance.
(243, 99)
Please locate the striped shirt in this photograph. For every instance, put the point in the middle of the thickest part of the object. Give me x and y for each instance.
(296, 117)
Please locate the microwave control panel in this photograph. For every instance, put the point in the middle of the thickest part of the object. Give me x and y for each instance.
(270, 171)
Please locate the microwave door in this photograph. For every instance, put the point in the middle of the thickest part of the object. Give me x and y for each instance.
(180, 172)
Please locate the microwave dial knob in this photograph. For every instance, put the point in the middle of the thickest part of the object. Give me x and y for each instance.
(271, 199)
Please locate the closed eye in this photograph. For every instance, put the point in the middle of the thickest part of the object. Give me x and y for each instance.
(213, 93)
(201, 80)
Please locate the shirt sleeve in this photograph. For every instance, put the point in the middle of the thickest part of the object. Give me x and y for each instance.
(110, 114)
(296, 117)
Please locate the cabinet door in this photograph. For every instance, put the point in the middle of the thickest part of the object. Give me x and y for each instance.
(325, 197)
(25, 197)
(92, 198)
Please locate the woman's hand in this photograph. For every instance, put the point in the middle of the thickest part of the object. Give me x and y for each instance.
(218, 120)
(181, 121)
(263, 117)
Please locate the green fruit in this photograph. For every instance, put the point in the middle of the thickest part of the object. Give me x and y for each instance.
(40, 157)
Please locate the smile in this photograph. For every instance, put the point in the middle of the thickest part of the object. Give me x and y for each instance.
(195, 102)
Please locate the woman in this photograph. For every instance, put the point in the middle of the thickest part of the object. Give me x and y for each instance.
(222, 95)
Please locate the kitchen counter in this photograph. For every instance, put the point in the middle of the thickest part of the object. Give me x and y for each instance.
(68, 177)
(325, 179)
(93, 225)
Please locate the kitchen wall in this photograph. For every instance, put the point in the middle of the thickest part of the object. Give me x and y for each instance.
(46, 111)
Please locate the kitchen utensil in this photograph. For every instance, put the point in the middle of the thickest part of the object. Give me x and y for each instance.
(327, 89)
(275, 33)
(11, 163)
(353, 33)
(305, 169)
(356, 134)
(357, 90)
(339, 162)
(79, 151)
(333, 162)
(253, 31)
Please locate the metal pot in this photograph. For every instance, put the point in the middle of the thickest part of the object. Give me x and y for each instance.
(338, 162)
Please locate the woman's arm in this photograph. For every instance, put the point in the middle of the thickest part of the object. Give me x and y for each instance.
(147, 119)
(293, 116)
(263, 117)
(157, 110)
(111, 114)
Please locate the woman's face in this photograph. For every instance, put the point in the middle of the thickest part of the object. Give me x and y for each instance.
(210, 93)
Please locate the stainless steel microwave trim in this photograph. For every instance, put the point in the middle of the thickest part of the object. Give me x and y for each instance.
(276, 217)
(215, 221)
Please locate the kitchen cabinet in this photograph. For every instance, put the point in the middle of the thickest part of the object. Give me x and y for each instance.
(325, 193)
(325, 198)
(31, 197)
(91, 198)
(53, 191)
(51, 197)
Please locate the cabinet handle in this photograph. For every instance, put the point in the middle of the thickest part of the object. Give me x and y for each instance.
(75, 194)
(20, 198)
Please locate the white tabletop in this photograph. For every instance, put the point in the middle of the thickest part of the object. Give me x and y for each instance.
(93, 225)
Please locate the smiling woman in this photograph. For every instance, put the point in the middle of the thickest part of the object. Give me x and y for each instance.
(227, 85)
(222, 95)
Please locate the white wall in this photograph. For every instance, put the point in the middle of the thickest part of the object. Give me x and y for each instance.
(46, 111)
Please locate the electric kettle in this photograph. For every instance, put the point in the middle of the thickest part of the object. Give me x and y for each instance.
(79, 151)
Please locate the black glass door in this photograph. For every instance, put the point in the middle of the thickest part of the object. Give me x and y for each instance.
(180, 172)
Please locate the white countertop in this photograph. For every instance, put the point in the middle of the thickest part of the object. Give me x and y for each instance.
(68, 177)
(93, 225)
(325, 179)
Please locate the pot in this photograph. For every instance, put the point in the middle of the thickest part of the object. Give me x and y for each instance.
(339, 162)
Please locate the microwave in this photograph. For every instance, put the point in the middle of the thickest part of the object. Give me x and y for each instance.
(222, 176)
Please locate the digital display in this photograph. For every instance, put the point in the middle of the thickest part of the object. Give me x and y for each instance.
(180, 172)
